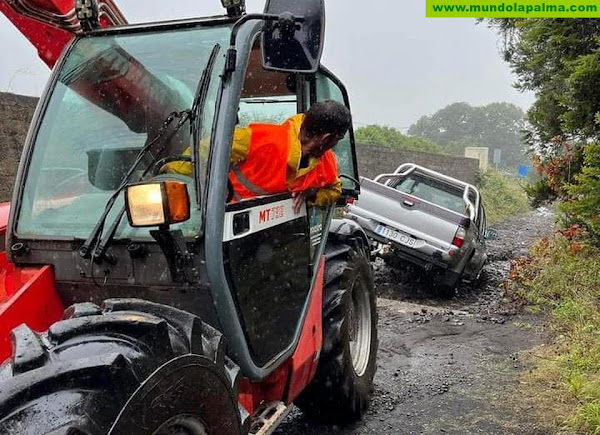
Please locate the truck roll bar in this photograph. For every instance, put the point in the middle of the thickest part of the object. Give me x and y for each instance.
(407, 168)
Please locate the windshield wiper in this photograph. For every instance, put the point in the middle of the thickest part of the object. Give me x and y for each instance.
(192, 114)
(183, 116)
(197, 109)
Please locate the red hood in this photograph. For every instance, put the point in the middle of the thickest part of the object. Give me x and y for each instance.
(4, 210)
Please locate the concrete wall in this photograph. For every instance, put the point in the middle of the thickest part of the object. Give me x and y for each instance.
(375, 159)
(16, 112)
(480, 153)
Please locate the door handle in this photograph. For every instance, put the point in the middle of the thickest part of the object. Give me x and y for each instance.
(408, 203)
(241, 222)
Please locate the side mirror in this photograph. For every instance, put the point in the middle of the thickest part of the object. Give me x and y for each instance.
(294, 43)
(349, 195)
(157, 203)
(490, 234)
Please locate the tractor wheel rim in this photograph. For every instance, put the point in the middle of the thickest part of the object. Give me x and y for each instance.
(360, 328)
(182, 425)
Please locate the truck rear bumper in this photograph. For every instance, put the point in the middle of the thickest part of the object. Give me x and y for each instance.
(443, 274)
(415, 257)
(422, 247)
(425, 257)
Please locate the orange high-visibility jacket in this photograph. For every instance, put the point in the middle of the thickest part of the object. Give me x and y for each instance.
(264, 170)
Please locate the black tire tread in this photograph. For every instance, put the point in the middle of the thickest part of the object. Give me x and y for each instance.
(334, 396)
(75, 378)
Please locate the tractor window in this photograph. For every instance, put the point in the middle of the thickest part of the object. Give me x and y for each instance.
(111, 99)
(328, 89)
(267, 96)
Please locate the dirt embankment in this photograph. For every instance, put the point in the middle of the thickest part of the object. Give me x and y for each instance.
(16, 112)
(451, 366)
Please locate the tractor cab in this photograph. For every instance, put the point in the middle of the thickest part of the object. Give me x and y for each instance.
(124, 103)
(98, 203)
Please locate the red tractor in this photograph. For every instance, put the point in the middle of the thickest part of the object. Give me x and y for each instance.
(138, 301)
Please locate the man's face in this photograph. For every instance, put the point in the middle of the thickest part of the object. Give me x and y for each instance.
(316, 146)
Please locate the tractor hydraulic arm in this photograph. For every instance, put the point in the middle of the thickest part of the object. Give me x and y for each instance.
(122, 81)
(50, 24)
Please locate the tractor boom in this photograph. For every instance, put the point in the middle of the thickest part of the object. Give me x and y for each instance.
(51, 24)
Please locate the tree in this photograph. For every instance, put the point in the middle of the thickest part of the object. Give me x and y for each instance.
(559, 59)
(584, 193)
(496, 126)
(391, 137)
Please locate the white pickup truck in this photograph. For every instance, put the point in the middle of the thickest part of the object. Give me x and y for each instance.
(426, 218)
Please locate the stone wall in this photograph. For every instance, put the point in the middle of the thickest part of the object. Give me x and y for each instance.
(16, 112)
(375, 159)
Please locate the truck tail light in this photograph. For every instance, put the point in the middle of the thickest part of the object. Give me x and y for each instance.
(349, 202)
(459, 237)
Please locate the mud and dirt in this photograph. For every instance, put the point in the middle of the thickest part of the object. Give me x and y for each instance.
(450, 366)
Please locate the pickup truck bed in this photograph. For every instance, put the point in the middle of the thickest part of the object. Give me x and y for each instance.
(429, 219)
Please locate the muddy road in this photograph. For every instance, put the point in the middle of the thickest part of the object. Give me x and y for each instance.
(450, 366)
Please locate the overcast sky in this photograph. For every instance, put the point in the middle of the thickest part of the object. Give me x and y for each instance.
(397, 64)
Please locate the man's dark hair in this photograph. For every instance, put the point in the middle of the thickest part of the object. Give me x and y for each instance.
(327, 117)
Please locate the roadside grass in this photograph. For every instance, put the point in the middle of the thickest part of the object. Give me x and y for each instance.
(502, 196)
(562, 279)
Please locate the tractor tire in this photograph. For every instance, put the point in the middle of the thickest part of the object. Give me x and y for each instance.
(341, 389)
(130, 366)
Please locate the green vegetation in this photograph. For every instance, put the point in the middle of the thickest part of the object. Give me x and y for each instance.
(559, 60)
(460, 125)
(562, 278)
(584, 193)
(455, 127)
(502, 196)
(393, 138)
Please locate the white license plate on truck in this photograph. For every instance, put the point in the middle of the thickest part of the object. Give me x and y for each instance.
(396, 236)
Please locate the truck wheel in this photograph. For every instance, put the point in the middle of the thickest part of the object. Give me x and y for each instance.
(442, 288)
(445, 291)
(444, 284)
(131, 366)
(341, 389)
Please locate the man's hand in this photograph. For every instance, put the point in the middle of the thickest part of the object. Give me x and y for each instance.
(299, 200)
(301, 197)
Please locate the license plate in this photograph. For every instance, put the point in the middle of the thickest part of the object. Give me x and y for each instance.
(396, 236)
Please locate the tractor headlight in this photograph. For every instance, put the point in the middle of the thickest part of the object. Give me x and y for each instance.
(155, 204)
